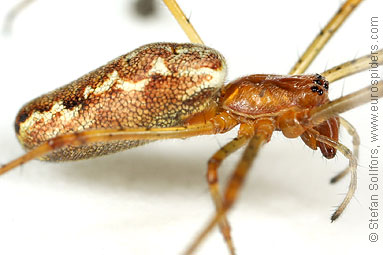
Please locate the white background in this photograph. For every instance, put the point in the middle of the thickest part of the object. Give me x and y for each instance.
(154, 199)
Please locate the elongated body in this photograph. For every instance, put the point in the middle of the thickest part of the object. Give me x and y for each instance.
(156, 85)
(165, 85)
(89, 117)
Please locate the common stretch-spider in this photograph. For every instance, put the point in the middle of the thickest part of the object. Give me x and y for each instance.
(274, 60)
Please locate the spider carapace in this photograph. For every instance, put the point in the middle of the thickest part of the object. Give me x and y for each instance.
(287, 101)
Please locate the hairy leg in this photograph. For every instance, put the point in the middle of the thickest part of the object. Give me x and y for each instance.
(352, 166)
(324, 35)
(184, 22)
(354, 66)
(219, 124)
(212, 178)
(263, 130)
(343, 104)
(355, 142)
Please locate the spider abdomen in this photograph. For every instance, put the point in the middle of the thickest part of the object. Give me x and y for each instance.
(156, 85)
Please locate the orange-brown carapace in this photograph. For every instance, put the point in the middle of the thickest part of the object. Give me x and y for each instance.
(286, 100)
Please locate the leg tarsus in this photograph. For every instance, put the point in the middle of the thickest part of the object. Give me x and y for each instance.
(355, 142)
(352, 168)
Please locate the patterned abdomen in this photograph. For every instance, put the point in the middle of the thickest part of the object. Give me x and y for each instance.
(156, 85)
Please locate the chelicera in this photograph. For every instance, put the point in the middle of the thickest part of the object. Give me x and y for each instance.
(169, 90)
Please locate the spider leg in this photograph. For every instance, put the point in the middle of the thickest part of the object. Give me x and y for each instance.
(355, 142)
(352, 168)
(212, 178)
(343, 104)
(219, 124)
(263, 130)
(324, 35)
(354, 66)
(13, 13)
(184, 22)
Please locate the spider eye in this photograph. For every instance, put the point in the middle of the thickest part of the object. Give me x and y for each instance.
(326, 85)
(314, 88)
(321, 81)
